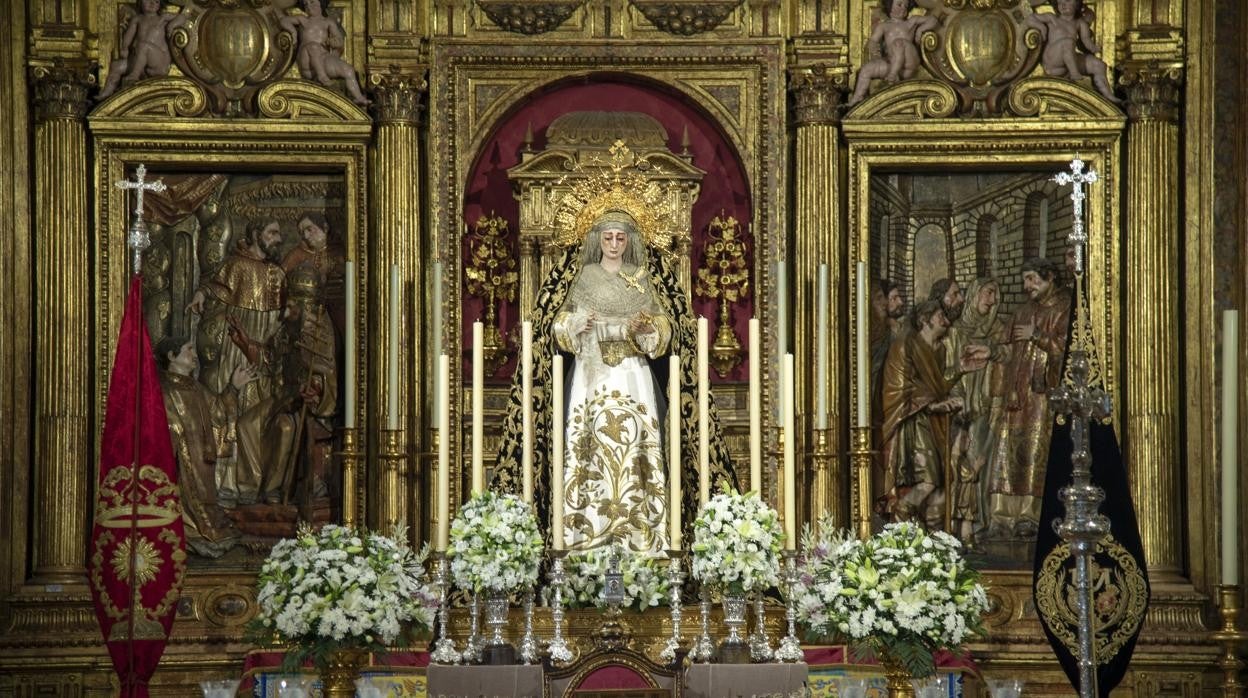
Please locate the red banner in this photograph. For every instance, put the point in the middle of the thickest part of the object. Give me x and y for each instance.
(138, 546)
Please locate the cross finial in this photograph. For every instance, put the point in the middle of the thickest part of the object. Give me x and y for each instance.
(138, 239)
(1077, 178)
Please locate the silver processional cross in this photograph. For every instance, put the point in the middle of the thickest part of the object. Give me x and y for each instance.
(138, 239)
(1077, 178)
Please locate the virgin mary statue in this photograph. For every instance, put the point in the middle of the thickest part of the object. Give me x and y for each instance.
(614, 307)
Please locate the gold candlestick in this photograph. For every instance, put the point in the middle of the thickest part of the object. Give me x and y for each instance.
(350, 455)
(1231, 638)
(860, 460)
(393, 486)
(825, 493)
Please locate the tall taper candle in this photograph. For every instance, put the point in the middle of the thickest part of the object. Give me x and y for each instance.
(444, 456)
(1230, 447)
(704, 414)
(756, 408)
(526, 400)
(478, 406)
(863, 369)
(348, 363)
(821, 349)
(673, 450)
(435, 312)
(790, 457)
(556, 452)
(392, 353)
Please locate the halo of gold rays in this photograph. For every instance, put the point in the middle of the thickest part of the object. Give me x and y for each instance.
(617, 183)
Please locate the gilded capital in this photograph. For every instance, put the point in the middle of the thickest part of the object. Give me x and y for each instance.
(396, 95)
(60, 89)
(818, 92)
(1154, 90)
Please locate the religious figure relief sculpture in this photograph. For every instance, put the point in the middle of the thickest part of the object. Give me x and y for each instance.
(1019, 456)
(144, 48)
(199, 421)
(893, 45)
(1070, 50)
(917, 403)
(613, 305)
(319, 52)
(975, 424)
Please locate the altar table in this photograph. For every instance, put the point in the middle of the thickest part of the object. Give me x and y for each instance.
(516, 681)
(746, 681)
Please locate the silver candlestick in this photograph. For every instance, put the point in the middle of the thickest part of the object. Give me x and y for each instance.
(444, 651)
(475, 642)
(704, 646)
(529, 649)
(668, 654)
(760, 646)
(790, 650)
(560, 653)
(1081, 398)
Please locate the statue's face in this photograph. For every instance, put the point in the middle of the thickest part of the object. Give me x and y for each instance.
(312, 234)
(312, 7)
(899, 9)
(1066, 8)
(1035, 285)
(938, 322)
(986, 298)
(614, 242)
(185, 361)
(953, 300)
(270, 238)
(896, 303)
(151, 7)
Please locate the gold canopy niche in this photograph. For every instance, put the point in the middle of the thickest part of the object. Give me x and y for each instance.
(819, 181)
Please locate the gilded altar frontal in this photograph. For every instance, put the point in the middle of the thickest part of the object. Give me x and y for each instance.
(932, 205)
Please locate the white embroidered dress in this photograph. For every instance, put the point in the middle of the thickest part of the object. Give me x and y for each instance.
(614, 471)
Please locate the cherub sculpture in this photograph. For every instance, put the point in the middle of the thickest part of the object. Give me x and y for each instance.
(320, 49)
(895, 41)
(1063, 31)
(144, 46)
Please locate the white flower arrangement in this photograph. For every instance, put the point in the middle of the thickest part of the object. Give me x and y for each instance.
(645, 578)
(736, 544)
(905, 592)
(340, 587)
(495, 544)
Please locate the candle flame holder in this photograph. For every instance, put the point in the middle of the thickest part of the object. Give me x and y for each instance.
(1231, 638)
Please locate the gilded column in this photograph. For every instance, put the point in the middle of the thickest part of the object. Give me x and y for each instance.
(396, 494)
(818, 239)
(1151, 318)
(63, 452)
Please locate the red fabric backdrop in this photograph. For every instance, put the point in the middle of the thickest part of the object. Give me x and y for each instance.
(724, 187)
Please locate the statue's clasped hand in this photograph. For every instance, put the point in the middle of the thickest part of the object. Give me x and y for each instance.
(641, 323)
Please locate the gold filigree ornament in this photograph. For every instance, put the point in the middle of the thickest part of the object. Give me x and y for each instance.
(1119, 600)
(618, 182)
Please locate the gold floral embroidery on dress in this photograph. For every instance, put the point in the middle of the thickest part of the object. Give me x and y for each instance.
(616, 493)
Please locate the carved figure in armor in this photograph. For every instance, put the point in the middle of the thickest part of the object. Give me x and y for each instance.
(319, 53)
(1064, 31)
(144, 48)
(894, 45)
(244, 299)
(1019, 457)
(200, 424)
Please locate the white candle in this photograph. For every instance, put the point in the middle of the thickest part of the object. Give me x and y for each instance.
(556, 452)
(478, 406)
(526, 400)
(1230, 447)
(782, 309)
(821, 350)
(392, 355)
(348, 362)
(756, 408)
(673, 450)
(704, 415)
(444, 455)
(864, 359)
(790, 471)
(435, 313)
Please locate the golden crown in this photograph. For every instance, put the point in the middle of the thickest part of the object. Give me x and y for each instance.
(618, 182)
